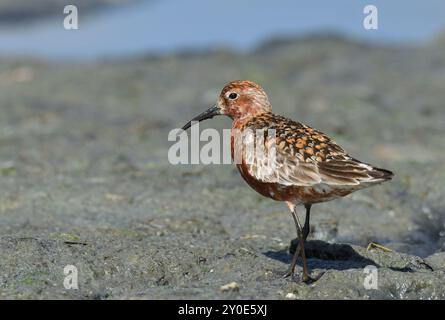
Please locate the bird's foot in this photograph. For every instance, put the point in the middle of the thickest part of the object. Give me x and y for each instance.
(290, 271)
(304, 278)
(309, 280)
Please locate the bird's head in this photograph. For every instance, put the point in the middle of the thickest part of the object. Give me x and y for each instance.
(238, 99)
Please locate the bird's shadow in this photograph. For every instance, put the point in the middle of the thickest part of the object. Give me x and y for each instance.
(324, 255)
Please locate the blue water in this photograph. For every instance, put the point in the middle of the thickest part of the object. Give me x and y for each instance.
(172, 25)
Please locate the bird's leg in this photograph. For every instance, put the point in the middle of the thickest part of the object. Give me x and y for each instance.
(290, 271)
(301, 240)
(306, 230)
(306, 227)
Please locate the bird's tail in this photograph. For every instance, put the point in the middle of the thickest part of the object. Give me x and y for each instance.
(381, 174)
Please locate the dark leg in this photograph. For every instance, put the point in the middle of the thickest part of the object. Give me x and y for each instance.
(290, 271)
(306, 230)
(306, 227)
(306, 277)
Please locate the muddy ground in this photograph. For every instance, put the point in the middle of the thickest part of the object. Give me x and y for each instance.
(85, 178)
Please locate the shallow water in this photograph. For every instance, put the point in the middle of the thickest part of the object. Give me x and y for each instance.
(165, 26)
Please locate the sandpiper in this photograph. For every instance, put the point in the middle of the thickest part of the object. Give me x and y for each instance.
(309, 167)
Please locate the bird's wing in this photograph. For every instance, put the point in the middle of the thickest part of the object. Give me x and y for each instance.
(302, 156)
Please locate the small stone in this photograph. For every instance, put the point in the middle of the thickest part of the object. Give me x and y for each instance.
(232, 286)
(114, 197)
(291, 296)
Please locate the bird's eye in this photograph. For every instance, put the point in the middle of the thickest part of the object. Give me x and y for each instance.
(233, 96)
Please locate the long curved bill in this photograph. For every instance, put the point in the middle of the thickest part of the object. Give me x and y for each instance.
(208, 114)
